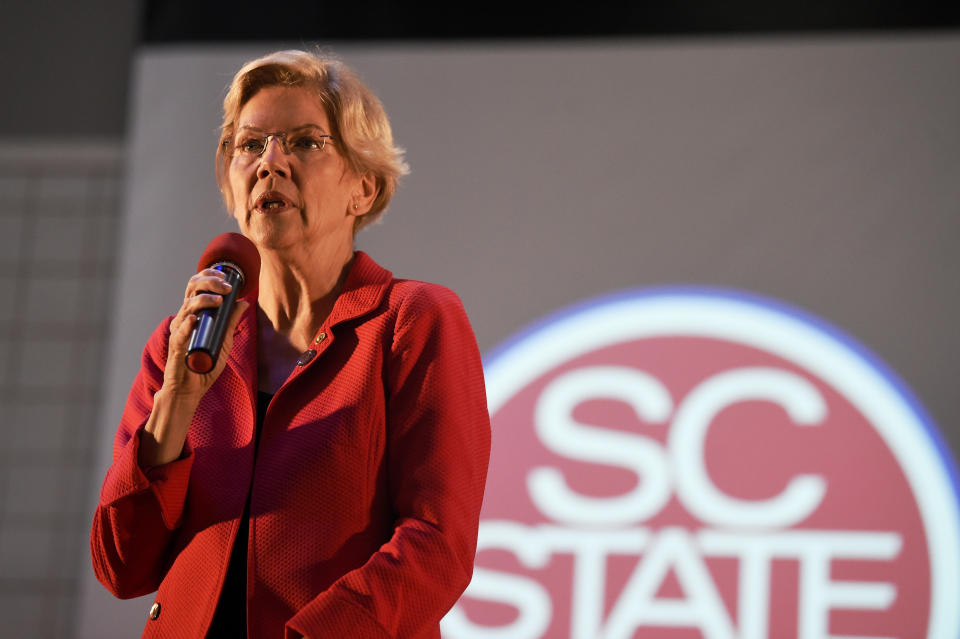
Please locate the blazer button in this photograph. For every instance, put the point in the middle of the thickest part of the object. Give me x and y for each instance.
(306, 357)
(155, 610)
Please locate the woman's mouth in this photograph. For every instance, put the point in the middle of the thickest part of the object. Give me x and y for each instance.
(272, 202)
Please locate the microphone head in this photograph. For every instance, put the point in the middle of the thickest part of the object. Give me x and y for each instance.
(235, 248)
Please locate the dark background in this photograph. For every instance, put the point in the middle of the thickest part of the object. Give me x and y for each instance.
(67, 64)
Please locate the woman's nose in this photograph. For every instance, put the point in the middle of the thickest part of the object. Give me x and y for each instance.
(273, 160)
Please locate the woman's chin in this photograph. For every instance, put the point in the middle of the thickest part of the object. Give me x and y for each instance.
(268, 234)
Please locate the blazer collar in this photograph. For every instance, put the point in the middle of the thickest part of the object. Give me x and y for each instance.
(363, 291)
(243, 356)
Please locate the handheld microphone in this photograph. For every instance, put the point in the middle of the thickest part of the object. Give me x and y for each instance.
(238, 259)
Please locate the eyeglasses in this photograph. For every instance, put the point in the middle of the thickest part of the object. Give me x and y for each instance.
(303, 143)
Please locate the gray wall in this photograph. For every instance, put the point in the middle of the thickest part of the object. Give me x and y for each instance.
(57, 243)
(66, 68)
(63, 116)
(822, 172)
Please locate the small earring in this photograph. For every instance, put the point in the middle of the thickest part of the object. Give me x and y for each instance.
(355, 205)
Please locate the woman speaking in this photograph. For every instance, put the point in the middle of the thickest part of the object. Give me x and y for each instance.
(324, 479)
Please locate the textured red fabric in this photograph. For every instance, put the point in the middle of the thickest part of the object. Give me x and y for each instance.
(367, 487)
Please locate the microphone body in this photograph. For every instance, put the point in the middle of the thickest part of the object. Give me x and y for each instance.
(238, 259)
(207, 336)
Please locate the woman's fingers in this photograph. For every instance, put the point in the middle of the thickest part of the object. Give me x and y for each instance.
(191, 306)
(204, 290)
(200, 301)
(180, 330)
(207, 280)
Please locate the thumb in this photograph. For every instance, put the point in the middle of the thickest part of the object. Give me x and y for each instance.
(238, 310)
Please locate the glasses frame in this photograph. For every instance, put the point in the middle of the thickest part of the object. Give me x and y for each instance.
(280, 137)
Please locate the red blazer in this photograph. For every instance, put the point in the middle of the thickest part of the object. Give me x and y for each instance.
(366, 490)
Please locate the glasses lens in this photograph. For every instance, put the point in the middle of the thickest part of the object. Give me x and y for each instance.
(249, 145)
(302, 144)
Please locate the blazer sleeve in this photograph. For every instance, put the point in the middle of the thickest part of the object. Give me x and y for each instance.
(139, 510)
(438, 448)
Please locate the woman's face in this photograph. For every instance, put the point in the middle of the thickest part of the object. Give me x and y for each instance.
(304, 196)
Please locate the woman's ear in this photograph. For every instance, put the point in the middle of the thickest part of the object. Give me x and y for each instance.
(364, 195)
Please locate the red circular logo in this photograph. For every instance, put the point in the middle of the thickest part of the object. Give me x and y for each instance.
(681, 464)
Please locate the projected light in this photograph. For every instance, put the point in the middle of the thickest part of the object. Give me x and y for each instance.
(694, 463)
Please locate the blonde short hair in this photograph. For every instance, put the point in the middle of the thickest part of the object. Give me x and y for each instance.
(360, 125)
